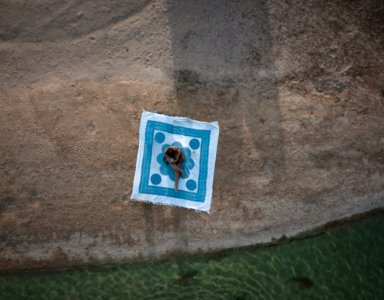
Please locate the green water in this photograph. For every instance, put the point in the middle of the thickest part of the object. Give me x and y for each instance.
(344, 263)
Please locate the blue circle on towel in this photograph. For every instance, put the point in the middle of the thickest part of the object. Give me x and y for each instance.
(165, 146)
(177, 144)
(194, 144)
(191, 185)
(156, 179)
(159, 137)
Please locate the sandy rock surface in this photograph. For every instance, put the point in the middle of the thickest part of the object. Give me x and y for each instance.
(297, 88)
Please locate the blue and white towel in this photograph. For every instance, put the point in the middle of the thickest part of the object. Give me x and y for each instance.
(154, 179)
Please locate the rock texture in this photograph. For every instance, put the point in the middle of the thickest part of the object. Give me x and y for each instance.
(297, 88)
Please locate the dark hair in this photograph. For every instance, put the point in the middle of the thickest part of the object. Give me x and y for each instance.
(171, 152)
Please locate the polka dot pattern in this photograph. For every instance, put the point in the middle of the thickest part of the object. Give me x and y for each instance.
(194, 144)
(191, 185)
(155, 179)
(159, 137)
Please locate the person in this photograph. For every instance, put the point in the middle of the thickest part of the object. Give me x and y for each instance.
(173, 157)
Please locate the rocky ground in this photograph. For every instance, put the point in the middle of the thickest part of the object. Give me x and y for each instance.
(297, 87)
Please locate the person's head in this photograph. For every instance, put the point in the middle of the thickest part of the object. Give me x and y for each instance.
(171, 152)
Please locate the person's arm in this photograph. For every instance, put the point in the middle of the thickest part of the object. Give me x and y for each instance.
(178, 152)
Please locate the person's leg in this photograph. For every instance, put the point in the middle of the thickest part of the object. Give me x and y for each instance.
(176, 180)
(177, 169)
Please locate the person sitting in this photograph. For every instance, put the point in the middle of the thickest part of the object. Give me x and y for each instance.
(173, 157)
